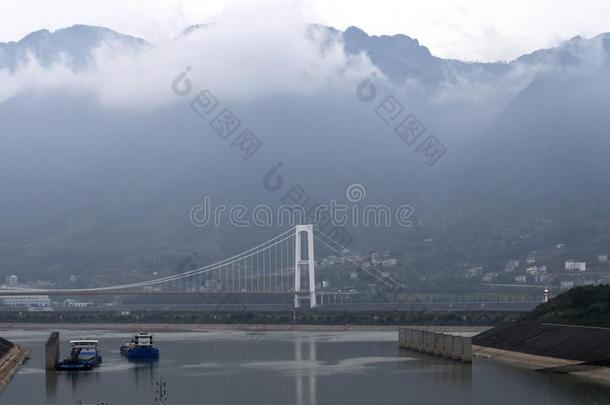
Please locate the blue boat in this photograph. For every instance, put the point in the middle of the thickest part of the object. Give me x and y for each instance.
(140, 347)
(84, 355)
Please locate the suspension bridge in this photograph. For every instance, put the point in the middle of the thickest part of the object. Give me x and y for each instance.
(284, 264)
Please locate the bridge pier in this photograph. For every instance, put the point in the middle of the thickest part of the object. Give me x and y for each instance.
(300, 261)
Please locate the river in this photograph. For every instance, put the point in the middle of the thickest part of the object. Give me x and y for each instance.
(301, 368)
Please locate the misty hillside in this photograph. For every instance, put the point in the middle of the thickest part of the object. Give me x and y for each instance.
(538, 177)
(99, 177)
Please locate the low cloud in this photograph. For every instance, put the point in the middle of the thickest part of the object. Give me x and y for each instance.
(260, 50)
(251, 52)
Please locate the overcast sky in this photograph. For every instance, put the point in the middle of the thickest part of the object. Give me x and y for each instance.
(468, 30)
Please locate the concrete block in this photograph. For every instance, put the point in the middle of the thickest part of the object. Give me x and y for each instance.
(430, 343)
(419, 338)
(52, 351)
(467, 350)
(424, 345)
(425, 341)
(447, 346)
(438, 344)
(456, 352)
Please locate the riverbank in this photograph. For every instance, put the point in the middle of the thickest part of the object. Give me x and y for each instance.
(533, 362)
(565, 349)
(11, 361)
(181, 327)
(223, 316)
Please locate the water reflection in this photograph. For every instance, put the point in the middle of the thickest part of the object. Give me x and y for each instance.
(51, 383)
(306, 382)
(144, 372)
(141, 372)
(449, 373)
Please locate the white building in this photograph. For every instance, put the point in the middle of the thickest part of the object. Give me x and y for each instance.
(389, 263)
(27, 301)
(511, 266)
(12, 280)
(566, 285)
(575, 266)
(474, 272)
(602, 258)
(535, 270)
(521, 279)
(71, 303)
(541, 278)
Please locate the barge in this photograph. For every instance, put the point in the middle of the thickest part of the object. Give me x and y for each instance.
(140, 347)
(84, 355)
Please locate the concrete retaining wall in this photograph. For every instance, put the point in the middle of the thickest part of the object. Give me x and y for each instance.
(435, 343)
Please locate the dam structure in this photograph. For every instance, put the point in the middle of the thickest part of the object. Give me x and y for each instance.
(449, 346)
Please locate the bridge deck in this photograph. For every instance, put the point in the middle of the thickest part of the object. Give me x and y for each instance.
(13, 293)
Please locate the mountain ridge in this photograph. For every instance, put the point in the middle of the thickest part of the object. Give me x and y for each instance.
(399, 56)
(77, 42)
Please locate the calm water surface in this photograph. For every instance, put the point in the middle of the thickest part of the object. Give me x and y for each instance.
(301, 368)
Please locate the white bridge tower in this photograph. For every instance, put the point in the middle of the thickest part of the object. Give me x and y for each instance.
(299, 262)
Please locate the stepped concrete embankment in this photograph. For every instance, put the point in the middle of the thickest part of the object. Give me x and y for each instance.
(569, 349)
(12, 357)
